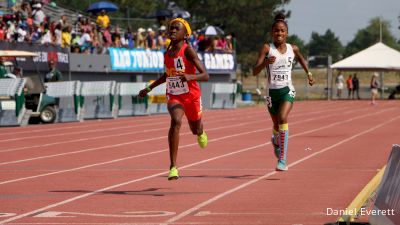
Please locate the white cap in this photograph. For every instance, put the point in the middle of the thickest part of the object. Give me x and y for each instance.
(140, 30)
(163, 27)
(37, 5)
(376, 74)
(149, 30)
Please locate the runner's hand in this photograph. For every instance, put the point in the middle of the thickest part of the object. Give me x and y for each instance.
(311, 81)
(143, 93)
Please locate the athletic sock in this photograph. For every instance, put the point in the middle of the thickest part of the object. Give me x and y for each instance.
(283, 142)
(275, 135)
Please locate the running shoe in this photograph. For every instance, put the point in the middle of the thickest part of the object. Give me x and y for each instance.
(202, 140)
(173, 174)
(281, 166)
(277, 150)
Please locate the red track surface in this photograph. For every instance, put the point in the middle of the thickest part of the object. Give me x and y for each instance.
(114, 171)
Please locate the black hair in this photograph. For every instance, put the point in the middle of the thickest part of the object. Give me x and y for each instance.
(280, 17)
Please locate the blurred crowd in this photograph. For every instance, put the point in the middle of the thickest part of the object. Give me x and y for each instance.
(28, 23)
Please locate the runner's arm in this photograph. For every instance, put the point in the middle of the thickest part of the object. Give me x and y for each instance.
(299, 58)
(261, 61)
(159, 81)
(191, 55)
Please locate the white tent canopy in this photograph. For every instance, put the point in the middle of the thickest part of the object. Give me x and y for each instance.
(378, 57)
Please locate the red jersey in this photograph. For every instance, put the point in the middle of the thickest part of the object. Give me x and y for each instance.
(180, 65)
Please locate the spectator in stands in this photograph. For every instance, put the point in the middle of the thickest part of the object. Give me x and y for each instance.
(103, 20)
(66, 37)
(141, 38)
(38, 14)
(3, 70)
(37, 33)
(54, 74)
(349, 83)
(107, 37)
(25, 10)
(85, 42)
(375, 84)
(63, 21)
(129, 38)
(150, 39)
(2, 32)
(116, 37)
(162, 37)
(193, 40)
(356, 86)
(229, 44)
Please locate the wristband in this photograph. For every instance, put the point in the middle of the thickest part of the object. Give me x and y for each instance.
(309, 74)
(148, 89)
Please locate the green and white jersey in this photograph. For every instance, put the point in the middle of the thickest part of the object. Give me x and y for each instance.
(280, 72)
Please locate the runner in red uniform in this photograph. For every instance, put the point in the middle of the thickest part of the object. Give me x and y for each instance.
(183, 91)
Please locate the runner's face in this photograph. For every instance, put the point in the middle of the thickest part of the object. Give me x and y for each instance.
(279, 33)
(177, 31)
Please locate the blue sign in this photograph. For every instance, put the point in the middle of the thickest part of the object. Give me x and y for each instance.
(150, 60)
(136, 59)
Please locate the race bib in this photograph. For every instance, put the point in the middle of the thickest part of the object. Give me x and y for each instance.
(175, 86)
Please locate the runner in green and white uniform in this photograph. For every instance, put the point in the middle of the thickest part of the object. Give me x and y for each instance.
(278, 58)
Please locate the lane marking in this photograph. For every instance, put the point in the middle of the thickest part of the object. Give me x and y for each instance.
(164, 150)
(127, 143)
(219, 196)
(133, 132)
(197, 207)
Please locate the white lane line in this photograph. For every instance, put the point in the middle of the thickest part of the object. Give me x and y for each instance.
(222, 115)
(116, 123)
(218, 118)
(135, 132)
(127, 143)
(183, 167)
(145, 140)
(184, 146)
(102, 129)
(230, 191)
(101, 137)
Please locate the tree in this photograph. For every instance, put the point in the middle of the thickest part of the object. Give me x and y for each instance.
(371, 35)
(324, 45)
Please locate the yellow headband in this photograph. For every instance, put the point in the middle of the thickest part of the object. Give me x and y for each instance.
(185, 23)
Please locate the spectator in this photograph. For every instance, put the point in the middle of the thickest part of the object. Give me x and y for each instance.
(141, 38)
(374, 88)
(54, 74)
(349, 83)
(63, 21)
(116, 37)
(339, 85)
(3, 70)
(66, 37)
(103, 20)
(18, 72)
(356, 86)
(38, 14)
(129, 38)
(107, 37)
(150, 39)
(162, 37)
(85, 42)
(229, 44)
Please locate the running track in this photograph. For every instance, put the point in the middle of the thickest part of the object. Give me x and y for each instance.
(114, 171)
